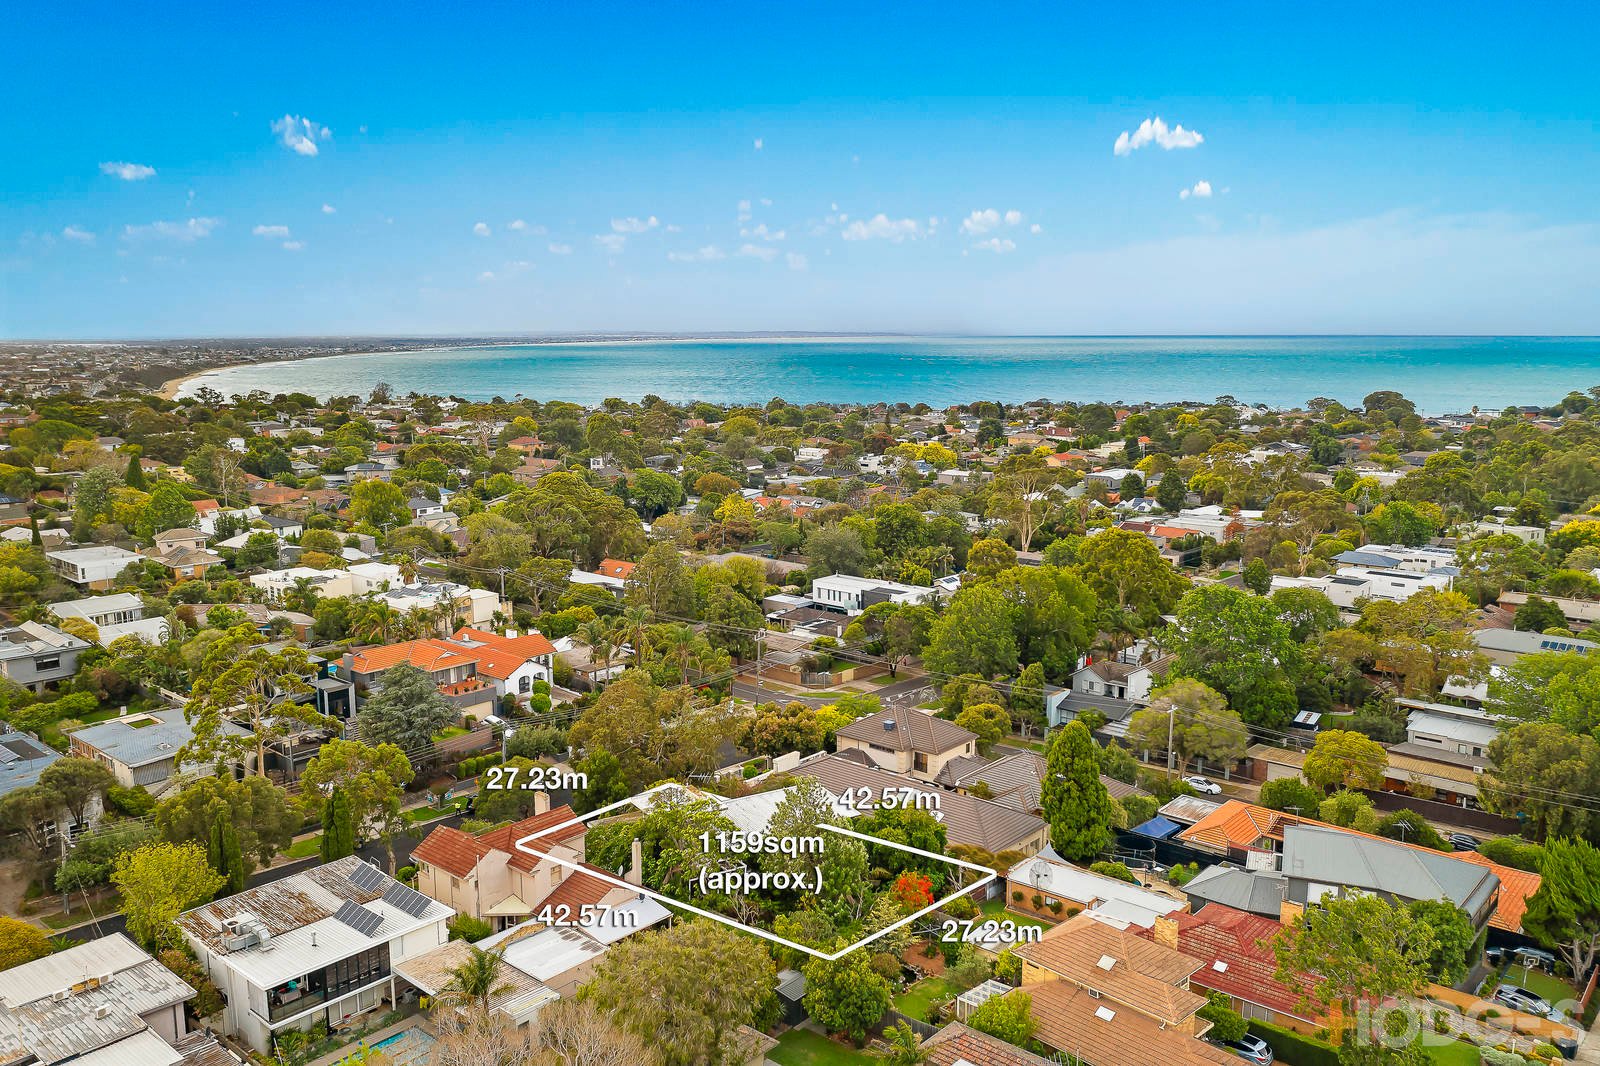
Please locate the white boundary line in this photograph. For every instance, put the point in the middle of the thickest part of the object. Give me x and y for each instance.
(632, 801)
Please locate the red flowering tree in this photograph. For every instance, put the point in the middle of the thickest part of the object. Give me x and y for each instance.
(912, 890)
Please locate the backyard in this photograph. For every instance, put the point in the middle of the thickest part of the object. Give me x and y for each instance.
(917, 998)
(803, 1047)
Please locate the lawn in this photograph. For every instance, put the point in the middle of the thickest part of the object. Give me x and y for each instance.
(996, 909)
(304, 849)
(1455, 1053)
(1553, 989)
(915, 1000)
(802, 1047)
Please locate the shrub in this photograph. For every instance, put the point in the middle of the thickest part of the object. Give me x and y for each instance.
(1116, 870)
(1492, 1057)
(961, 908)
(1055, 906)
(1016, 895)
(1290, 1046)
(1037, 901)
(466, 927)
(407, 874)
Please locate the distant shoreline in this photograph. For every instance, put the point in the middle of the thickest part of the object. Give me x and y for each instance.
(169, 389)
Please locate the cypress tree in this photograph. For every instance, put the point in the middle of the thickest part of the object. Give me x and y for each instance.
(1075, 803)
(338, 827)
(134, 478)
(234, 870)
(33, 532)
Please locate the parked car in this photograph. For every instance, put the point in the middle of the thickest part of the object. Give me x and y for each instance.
(1463, 842)
(1249, 1047)
(1203, 785)
(1494, 957)
(1518, 998)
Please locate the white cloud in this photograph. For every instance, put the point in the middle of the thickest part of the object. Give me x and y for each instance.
(981, 222)
(765, 202)
(997, 245)
(517, 225)
(759, 143)
(744, 211)
(481, 228)
(1036, 228)
(128, 171)
(1155, 131)
(1201, 189)
(327, 209)
(702, 255)
(278, 232)
(487, 275)
(758, 251)
(796, 261)
(190, 230)
(611, 242)
(634, 225)
(882, 226)
(761, 232)
(82, 236)
(300, 135)
(560, 249)
(293, 246)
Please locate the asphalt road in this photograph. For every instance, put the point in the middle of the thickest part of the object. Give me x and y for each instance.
(904, 693)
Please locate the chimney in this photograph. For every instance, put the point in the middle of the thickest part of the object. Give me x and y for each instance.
(541, 802)
(1165, 931)
(635, 874)
(1290, 912)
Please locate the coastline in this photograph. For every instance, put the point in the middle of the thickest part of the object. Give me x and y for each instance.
(170, 388)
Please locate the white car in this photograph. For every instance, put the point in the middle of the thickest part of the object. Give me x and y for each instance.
(1204, 786)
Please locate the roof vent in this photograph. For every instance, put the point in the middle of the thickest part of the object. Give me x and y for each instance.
(1106, 962)
(1220, 966)
(1105, 1014)
(103, 1011)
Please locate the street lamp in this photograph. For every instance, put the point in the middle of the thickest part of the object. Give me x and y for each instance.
(505, 735)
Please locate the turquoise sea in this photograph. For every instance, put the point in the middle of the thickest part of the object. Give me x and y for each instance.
(1440, 374)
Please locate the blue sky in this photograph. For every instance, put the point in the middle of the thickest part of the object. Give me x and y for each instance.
(200, 170)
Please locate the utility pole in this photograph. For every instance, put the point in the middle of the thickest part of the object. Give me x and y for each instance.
(1172, 712)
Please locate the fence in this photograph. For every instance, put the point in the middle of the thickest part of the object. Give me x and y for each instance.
(922, 1028)
(1447, 813)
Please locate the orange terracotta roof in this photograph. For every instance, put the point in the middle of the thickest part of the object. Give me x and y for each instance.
(1243, 943)
(1247, 826)
(505, 838)
(1152, 976)
(428, 654)
(576, 890)
(1109, 1034)
(616, 568)
(451, 850)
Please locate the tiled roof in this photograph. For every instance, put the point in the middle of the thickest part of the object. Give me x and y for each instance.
(1072, 1021)
(1243, 944)
(451, 850)
(967, 819)
(1142, 973)
(576, 890)
(426, 655)
(505, 838)
(616, 568)
(956, 1043)
(912, 730)
(1516, 886)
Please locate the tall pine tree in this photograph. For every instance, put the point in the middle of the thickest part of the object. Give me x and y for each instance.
(134, 478)
(225, 856)
(338, 826)
(1075, 803)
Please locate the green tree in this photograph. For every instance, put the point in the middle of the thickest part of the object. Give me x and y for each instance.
(846, 996)
(1539, 614)
(974, 635)
(1226, 1023)
(990, 722)
(987, 559)
(836, 549)
(1307, 612)
(407, 710)
(1343, 757)
(475, 982)
(1172, 492)
(1127, 575)
(902, 1046)
(1411, 828)
(1564, 914)
(258, 811)
(1008, 1017)
(1535, 765)
(1236, 643)
(1073, 799)
(338, 827)
(81, 785)
(1453, 938)
(686, 989)
(241, 681)
(373, 780)
(1563, 688)
(1053, 616)
(1352, 951)
(158, 882)
(1291, 794)
(1256, 577)
(21, 942)
(222, 852)
(605, 782)
(1349, 809)
(654, 732)
(167, 508)
(378, 504)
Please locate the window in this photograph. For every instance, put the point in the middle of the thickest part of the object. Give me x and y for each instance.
(920, 762)
(49, 662)
(524, 683)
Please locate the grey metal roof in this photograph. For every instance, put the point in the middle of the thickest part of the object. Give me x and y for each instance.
(1332, 856)
(22, 760)
(136, 740)
(1256, 891)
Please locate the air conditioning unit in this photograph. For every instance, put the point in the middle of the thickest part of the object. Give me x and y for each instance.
(103, 1011)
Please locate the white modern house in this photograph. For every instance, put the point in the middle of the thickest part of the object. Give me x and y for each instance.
(95, 567)
(117, 614)
(852, 595)
(318, 946)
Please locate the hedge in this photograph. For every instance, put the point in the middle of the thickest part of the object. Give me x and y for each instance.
(477, 764)
(1296, 1049)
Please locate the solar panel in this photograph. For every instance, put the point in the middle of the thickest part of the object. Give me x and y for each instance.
(409, 900)
(367, 877)
(358, 918)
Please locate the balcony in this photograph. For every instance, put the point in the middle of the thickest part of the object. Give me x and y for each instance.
(283, 1004)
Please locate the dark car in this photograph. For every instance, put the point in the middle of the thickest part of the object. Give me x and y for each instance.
(1463, 842)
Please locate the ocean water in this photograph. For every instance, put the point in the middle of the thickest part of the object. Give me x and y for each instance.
(1439, 374)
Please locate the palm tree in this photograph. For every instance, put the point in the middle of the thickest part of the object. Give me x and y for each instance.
(636, 623)
(375, 622)
(681, 639)
(476, 981)
(303, 597)
(902, 1047)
